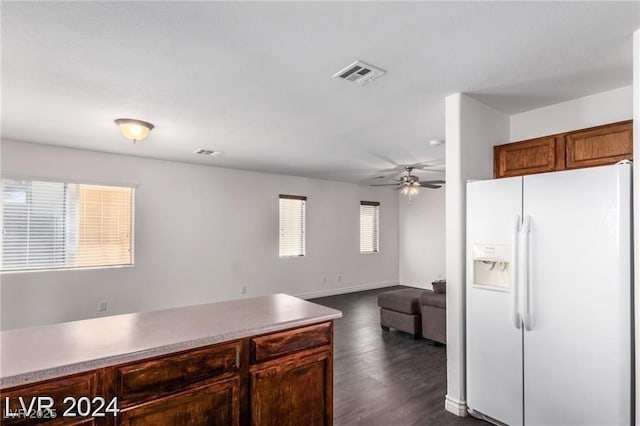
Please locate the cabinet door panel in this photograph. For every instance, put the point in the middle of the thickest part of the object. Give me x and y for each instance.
(293, 393)
(214, 404)
(77, 386)
(527, 157)
(599, 146)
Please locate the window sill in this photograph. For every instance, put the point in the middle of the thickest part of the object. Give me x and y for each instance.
(80, 268)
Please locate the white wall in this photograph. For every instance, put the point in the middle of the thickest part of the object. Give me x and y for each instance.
(472, 129)
(421, 237)
(201, 233)
(594, 110)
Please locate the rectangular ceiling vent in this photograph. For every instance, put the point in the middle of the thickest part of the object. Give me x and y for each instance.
(204, 151)
(360, 73)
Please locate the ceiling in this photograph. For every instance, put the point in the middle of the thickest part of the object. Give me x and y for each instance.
(254, 79)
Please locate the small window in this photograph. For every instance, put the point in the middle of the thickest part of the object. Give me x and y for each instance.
(292, 225)
(54, 225)
(369, 226)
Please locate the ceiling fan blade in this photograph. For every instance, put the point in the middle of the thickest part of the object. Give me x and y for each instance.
(438, 165)
(436, 182)
(398, 169)
(386, 184)
(428, 185)
(429, 169)
(384, 158)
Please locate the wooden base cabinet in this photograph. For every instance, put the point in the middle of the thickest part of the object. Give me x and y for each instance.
(291, 377)
(215, 404)
(291, 393)
(282, 378)
(88, 384)
(595, 146)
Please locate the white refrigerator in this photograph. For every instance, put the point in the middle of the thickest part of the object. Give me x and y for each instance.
(549, 298)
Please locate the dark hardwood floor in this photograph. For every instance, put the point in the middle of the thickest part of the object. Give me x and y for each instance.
(385, 378)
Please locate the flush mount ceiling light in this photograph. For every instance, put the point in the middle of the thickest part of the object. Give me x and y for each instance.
(135, 130)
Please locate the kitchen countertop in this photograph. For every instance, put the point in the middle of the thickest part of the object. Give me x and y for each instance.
(33, 354)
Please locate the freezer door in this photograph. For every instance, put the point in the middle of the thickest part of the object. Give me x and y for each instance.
(494, 344)
(577, 355)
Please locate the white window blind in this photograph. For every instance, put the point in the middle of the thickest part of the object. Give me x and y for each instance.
(292, 225)
(49, 225)
(369, 226)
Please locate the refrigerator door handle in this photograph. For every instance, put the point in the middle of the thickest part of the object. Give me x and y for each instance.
(526, 247)
(515, 277)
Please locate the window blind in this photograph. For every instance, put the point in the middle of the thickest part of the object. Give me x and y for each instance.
(292, 225)
(369, 226)
(49, 225)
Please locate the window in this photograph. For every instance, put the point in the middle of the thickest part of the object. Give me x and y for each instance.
(50, 225)
(292, 232)
(369, 226)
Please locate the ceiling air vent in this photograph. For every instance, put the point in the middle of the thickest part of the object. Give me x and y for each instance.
(360, 73)
(204, 151)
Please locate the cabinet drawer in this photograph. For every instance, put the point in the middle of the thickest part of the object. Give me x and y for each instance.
(154, 378)
(286, 342)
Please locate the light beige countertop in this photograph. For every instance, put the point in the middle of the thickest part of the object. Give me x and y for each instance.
(29, 355)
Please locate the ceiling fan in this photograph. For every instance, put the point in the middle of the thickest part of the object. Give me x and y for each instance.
(409, 183)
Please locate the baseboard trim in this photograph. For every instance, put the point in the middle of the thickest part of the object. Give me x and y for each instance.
(455, 406)
(345, 290)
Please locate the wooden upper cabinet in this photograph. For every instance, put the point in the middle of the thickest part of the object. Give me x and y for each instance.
(595, 146)
(527, 157)
(599, 145)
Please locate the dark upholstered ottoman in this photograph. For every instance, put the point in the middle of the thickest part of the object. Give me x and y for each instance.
(400, 309)
(434, 316)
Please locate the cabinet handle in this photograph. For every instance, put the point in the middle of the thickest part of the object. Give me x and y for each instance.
(515, 278)
(528, 304)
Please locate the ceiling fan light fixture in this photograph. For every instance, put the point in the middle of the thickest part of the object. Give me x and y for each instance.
(410, 190)
(133, 129)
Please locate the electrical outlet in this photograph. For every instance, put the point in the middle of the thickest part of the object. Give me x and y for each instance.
(102, 306)
(324, 279)
(243, 289)
(338, 278)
